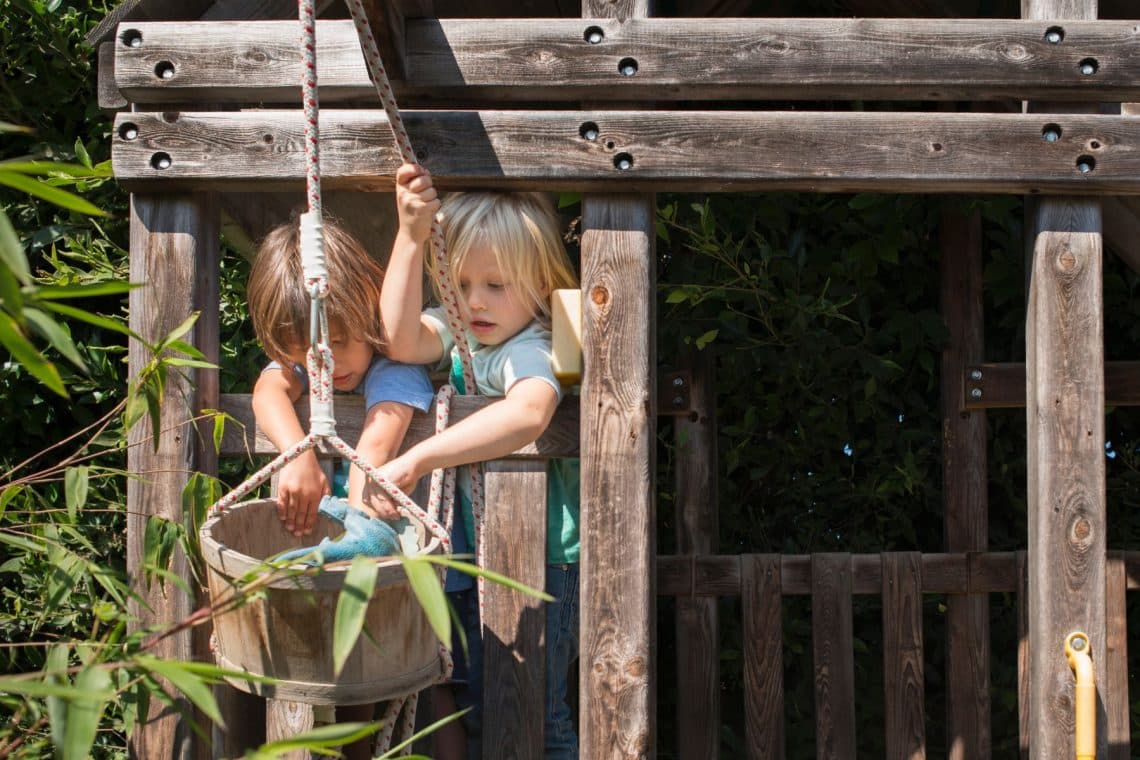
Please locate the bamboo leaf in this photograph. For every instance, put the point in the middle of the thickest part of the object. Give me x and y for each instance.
(75, 483)
(46, 192)
(12, 252)
(83, 714)
(491, 575)
(106, 323)
(27, 355)
(425, 584)
(55, 672)
(29, 687)
(85, 290)
(55, 335)
(351, 606)
(189, 683)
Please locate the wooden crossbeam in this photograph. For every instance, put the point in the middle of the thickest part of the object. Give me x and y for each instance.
(665, 150)
(1002, 385)
(652, 59)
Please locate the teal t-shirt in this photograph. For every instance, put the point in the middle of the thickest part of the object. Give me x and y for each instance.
(495, 367)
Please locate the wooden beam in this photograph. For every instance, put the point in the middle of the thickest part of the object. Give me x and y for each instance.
(514, 647)
(942, 573)
(964, 483)
(706, 151)
(903, 671)
(618, 598)
(698, 624)
(833, 656)
(1002, 386)
(387, 22)
(503, 60)
(174, 251)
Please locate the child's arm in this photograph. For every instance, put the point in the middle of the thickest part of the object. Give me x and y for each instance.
(491, 433)
(402, 297)
(383, 431)
(301, 483)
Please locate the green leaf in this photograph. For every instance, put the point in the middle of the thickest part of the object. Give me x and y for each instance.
(83, 714)
(186, 681)
(55, 672)
(6, 496)
(20, 542)
(75, 483)
(46, 192)
(106, 323)
(55, 335)
(491, 575)
(82, 154)
(7, 126)
(425, 731)
(424, 580)
(10, 296)
(27, 355)
(707, 338)
(12, 252)
(677, 296)
(316, 739)
(33, 688)
(85, 290)
(178, 332)
(351, 606)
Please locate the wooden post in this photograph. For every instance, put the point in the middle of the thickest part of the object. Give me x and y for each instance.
(698, 660)
(174, 251)
(964, 495)
(619, 599)
(513, 643)
(1064, 409)
(833, 656)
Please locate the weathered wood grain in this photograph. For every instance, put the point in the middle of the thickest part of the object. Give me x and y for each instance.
(698, 627)
(1024, 695)
(964, 485)
(513, 624)
(1065, 461)
(618, 434)
(676, 59)
(903, 678)
(689, 151)
(174, 250)
(284, 720)
(1115, 673)
(761, 602)
(1002, 386)
(833, 656)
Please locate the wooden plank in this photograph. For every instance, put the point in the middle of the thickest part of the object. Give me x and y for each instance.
(964, 490)
(514, 651)
(833, 656)
(108, 95)
(1114, 679)
(174, 248)
(1065, 461)
(698, 643)
(763, 656)
(668, 150)
(903, 679)
(284, 720)
(544, 59)
(1002, 386)
(1024, 697)
(142, 10)
(242, 435)
(618, 447)
(387, 23)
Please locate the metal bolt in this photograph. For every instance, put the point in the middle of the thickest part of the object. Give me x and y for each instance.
(129, 132)
(1051, 135)
(1088, 67)
(678, 401)
(594, 35)
(975, 374)
(1084, 166)
(678, 382)
(976, 393)
(1078, 643)
(590, 134)
(1054, 36)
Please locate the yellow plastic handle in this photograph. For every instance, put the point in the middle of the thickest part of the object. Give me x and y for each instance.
(1077, 648)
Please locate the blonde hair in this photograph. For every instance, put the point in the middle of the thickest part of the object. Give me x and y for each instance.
(522, 230)
(279, 299)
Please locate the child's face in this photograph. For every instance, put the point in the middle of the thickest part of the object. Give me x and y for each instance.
(351, 359)
(491, 306)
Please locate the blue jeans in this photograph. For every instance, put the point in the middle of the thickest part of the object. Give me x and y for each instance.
(561, 742)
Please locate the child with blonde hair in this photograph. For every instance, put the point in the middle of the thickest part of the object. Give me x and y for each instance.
(505, 257)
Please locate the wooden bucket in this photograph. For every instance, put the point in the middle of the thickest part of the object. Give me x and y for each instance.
(286, 633)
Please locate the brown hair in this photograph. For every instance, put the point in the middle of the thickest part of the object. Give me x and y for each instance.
(279, 300)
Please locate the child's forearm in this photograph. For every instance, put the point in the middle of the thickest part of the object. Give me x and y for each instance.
(273, 409)
(401, 297)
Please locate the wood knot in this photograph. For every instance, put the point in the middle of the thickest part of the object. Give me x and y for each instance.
(600, 296)
(1066, 260)
(1081, 529)
(635, 667)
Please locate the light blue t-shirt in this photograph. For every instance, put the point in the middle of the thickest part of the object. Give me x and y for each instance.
(497, 368)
